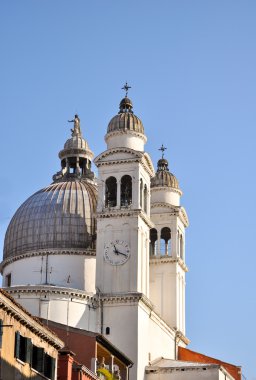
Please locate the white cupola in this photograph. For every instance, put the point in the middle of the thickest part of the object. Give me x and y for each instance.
(126, 129)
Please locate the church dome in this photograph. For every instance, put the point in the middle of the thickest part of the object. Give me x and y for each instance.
(125, 120)
(59, 216)
(62, 215)
(163, 177)
(76, 142)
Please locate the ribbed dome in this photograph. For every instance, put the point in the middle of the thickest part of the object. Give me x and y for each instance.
(58, 216)
(125, 120)
(163, 177)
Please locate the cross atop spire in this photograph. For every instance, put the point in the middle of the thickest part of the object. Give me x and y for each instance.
(126, 88)
(162, 149)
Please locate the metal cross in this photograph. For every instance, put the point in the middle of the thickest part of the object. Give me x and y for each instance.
(162, 149)
(126, 88)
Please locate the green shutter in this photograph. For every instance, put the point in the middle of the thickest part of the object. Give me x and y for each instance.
(53, 361)
(17, 344)
(1, 333)
(40, 359)
(28, 351)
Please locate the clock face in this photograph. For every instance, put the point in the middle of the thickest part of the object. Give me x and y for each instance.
(116, 252)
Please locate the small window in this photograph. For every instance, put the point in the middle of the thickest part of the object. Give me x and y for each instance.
(8, 280)
(38, 358)
(49, 366)
(107, 330)
(23, 348)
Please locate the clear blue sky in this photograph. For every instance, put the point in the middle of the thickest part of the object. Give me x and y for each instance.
(191, 65)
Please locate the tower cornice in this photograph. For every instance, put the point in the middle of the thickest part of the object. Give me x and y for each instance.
(164, 188)
(125, 212)
(135, 156)
(125, 132)
(174, 210)
(50, 289)
(156, 260)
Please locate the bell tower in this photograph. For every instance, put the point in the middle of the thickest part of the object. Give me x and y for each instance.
(123, 225)
(123, 211)
(167, 247)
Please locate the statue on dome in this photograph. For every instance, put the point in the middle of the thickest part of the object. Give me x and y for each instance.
(76, 131)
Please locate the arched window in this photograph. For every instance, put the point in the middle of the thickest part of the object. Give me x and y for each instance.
(126, 190)
(145, 199)
(181, 243)
(165, 246)
(141, 192)
(110, 192)
(153, 241)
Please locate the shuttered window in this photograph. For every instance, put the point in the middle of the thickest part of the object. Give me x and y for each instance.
(35, 356)
(49, 366)
(23, 348)
(38, 358)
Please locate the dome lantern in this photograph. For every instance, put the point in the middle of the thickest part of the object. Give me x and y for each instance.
(76, 157)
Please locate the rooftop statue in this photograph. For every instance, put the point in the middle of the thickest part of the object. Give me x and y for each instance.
(76, 131)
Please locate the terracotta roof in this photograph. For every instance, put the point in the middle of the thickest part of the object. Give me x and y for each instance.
(192, 356)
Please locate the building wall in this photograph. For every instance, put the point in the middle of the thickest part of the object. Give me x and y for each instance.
(167, 291)
(191, 356)
(82, 345)
(191, 374)
(167, 195)
(130, 320)
(58, 305)
(11, 367)
(74, 271)
(161, 339)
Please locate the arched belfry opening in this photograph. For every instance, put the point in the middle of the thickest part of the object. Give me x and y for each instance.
(141, 193)
(165, 245)
(126, 191)
(145, 195)
(153, 242)
(111, 192)
(181, 247)
(76, 165)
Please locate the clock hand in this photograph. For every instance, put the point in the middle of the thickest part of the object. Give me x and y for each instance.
(121, 253)
(116, 251)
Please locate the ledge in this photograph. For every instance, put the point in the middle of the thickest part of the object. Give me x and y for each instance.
(168, 259)
(45, 252)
